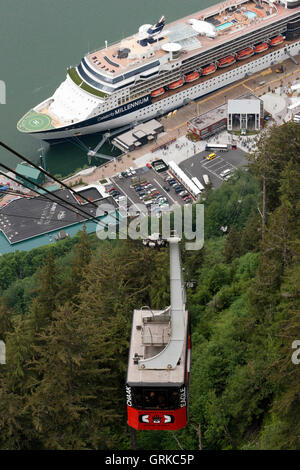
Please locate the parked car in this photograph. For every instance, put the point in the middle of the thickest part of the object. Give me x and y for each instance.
(225, 173)
(109, 190)
(161, 202)
(166, 188)
(172, 181)
(179, 189)
(183, 194)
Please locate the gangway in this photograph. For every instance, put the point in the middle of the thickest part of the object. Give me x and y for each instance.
(291, 57)
(105, 137)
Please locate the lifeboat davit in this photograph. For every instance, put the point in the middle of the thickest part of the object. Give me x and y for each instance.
(261, 47)
(209, 69)
(226, 61)
(244, 53)
(158, 92)
(176, 84)
(277, 40)
(191, 77)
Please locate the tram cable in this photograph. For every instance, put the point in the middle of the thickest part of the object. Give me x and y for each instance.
(49, 175)
(42, 170)
(53, 195)
(44, 197)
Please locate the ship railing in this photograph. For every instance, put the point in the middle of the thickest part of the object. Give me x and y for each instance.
(134, 36)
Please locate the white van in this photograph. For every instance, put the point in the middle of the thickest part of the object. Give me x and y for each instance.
(225, 173)
(206, 179)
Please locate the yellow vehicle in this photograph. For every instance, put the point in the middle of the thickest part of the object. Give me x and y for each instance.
(211, 156)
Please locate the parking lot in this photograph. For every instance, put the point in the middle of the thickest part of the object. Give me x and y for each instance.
(198, 165)
(148, 187)
(159, 191)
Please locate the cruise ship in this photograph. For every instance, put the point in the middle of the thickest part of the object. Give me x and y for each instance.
(165, 66)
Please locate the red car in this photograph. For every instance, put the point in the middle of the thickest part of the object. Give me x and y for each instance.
(149, 165)
(111, 189)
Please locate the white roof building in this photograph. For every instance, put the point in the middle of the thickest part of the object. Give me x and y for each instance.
(245, 113)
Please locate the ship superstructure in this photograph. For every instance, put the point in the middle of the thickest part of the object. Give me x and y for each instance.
(164, 66)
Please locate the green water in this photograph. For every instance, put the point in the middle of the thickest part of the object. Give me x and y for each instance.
(39, 39)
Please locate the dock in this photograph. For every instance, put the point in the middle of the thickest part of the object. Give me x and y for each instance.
(26, 218)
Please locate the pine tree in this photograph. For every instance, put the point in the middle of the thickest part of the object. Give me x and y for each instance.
(232, 247)
(44, 303)
(73, 402)
(74, 282)
(16, 430)
(5, 318)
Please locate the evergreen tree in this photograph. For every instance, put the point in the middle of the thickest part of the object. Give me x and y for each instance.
(73, 401)
(44, 304)
(232, 247)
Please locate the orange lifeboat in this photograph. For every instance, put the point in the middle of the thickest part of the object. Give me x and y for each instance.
(158, 92)
(176, 84)
(191, 77)
(209, 69)
(277, 40)
(226, 61)
(244, 53)
(261, 47)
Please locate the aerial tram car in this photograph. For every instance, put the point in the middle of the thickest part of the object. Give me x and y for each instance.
(157, 386)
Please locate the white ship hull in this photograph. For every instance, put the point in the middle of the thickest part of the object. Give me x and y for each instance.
(181, 98)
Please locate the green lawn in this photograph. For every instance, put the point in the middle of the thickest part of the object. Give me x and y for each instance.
(73, 74)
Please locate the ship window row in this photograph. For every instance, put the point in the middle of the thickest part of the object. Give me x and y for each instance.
(210, 82)
(120, 78)
(160, 82)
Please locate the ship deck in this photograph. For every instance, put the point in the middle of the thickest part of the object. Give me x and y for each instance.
(230, 25)
(218, 72)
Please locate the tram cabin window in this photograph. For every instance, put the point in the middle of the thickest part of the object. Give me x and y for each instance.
(155, 398)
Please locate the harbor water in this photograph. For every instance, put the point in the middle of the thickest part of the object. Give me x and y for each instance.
(40, 39)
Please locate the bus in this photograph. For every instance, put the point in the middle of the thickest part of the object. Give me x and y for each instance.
(221, 147)
(198, 184)
(206, 180)
(182, 177)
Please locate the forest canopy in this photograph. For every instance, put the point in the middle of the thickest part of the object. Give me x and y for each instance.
(66, 309)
